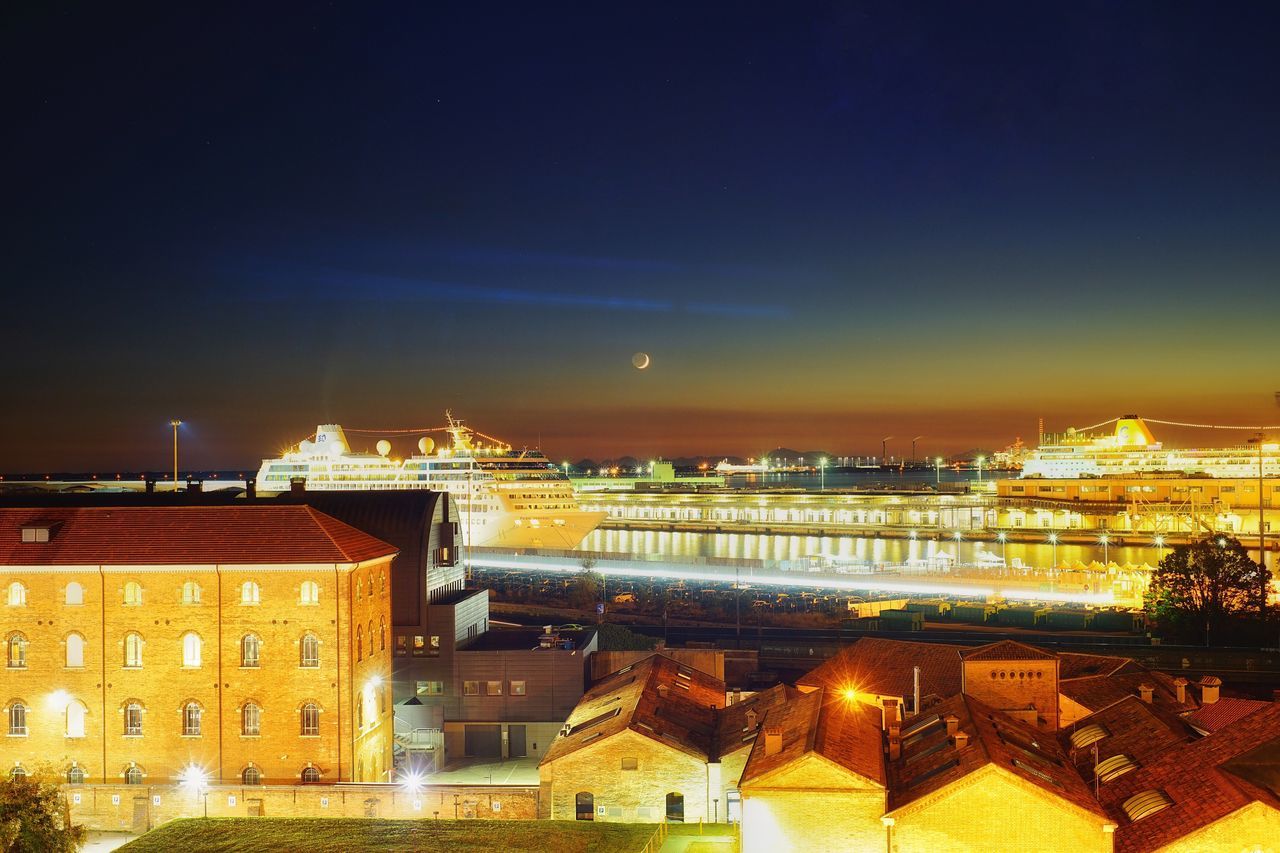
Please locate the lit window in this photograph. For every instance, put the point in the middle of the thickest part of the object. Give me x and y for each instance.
(250, 650)
(133, 650)
(310, 651)
(250, 720)
(310, 776)
(359, 642)
(470, 688)
(74, 593)
(17, 594)
(191, 720)
(310, 719)
(76, 712)
(133, 594)
(191, 593)
(133, 719)
(402, 644)
(17, 651)
(493, 688)
(75, 776)
(191, 649)
(133, 776)
(249, 593)
(18, 719)
(251, 776)
(419, 645)
(382, 633)
(309, 593)
(517, 688)
(434, 649)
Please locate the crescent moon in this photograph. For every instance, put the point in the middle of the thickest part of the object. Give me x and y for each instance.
(641, 360)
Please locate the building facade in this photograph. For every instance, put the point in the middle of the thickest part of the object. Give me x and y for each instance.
(245, 644)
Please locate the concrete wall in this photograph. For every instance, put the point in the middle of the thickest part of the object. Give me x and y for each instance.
(993, 810)
(114, 807)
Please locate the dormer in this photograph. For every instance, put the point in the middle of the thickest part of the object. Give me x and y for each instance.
(39, 531)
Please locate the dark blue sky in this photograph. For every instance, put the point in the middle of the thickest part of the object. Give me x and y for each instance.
(825, 222)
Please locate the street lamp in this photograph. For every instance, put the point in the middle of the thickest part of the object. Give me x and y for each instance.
(175, 423)
(1159, 541)
(937, 468)
(1003, 538)
(1105, 540)
(1262, 524)
(981, 459)
(195, 779)
(1053, 540)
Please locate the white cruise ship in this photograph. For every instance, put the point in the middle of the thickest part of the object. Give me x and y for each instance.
(504, 498)
(1132, 449)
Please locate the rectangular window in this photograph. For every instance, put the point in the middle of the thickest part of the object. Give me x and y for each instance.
(630, 763)
(430, 688)
(517, 688)
(493, 688)
(402, 644)
(470, 688)
(433, 650)
(419, 645)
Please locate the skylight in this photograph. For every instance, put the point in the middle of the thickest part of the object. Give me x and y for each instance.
(1091, 733)
(1116, 765)
(594, 721)
(1146, 803)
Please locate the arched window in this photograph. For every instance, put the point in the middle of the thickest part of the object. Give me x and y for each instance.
(675, 807)
(584, 806)
(133, 719)
(190, 592)
(18, 719)
(17, 594)
(133, 776)
(75, 775)
(250, 647)
(133, 594)
(191, 719)
(133, 650)
(359, 642)
(360, 587)
(310, 775)
(360, 713)
(370, 638)
(310, 719)
(251, 776)
(75, 650)
(382, 583)
(17, 651)
(309, 593)
(310, 653)
(382, 633)
(76, 712)
(190, 649)
(17, 774)
(74, 593)
(251, 720)
(249, 593)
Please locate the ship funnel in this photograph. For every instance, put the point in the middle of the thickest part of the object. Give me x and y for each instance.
(330, 439)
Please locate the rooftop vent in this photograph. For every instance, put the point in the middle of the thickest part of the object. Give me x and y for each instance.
(773, 740)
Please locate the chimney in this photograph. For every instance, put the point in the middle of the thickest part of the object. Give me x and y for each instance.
(773, 740)
(891, 722)
(1146, 691)
(1209, 689)
(737, 696)
(962, 740)
(297, 485)
(953, 724)
(663, 690)
(251, 488)
(751, 718)
(1180, 689)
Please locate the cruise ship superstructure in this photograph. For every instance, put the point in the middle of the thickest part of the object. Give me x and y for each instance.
(1132, 449)
(504, 498)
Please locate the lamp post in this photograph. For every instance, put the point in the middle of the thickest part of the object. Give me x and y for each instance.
(937, 468)
(1106, 541)
(1004, 544)
(1159, 542)
(175, 423)
(1053, 540)
(981, 459)
(1262, 523)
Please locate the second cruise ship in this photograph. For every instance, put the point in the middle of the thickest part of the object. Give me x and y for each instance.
(504, 498)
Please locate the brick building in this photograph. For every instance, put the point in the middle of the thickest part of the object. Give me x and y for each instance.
(250, 642)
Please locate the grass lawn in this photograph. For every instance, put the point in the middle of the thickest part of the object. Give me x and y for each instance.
(351, 835)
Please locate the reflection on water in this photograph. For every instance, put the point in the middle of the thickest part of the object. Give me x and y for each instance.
(774, 546)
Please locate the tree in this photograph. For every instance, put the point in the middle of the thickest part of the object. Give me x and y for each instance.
(1199, 586)
(587, 587)
(34, 818)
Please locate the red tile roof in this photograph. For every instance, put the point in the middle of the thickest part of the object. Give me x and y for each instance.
(1080, 665)
(1133, 728)
(884, 667)
(1098, 691)
(844, 731)
(1199, 779)
(191, 535)
(1224, 712)
(1007, 650)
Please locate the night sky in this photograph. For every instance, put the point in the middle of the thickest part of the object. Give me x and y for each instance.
(826, 223)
